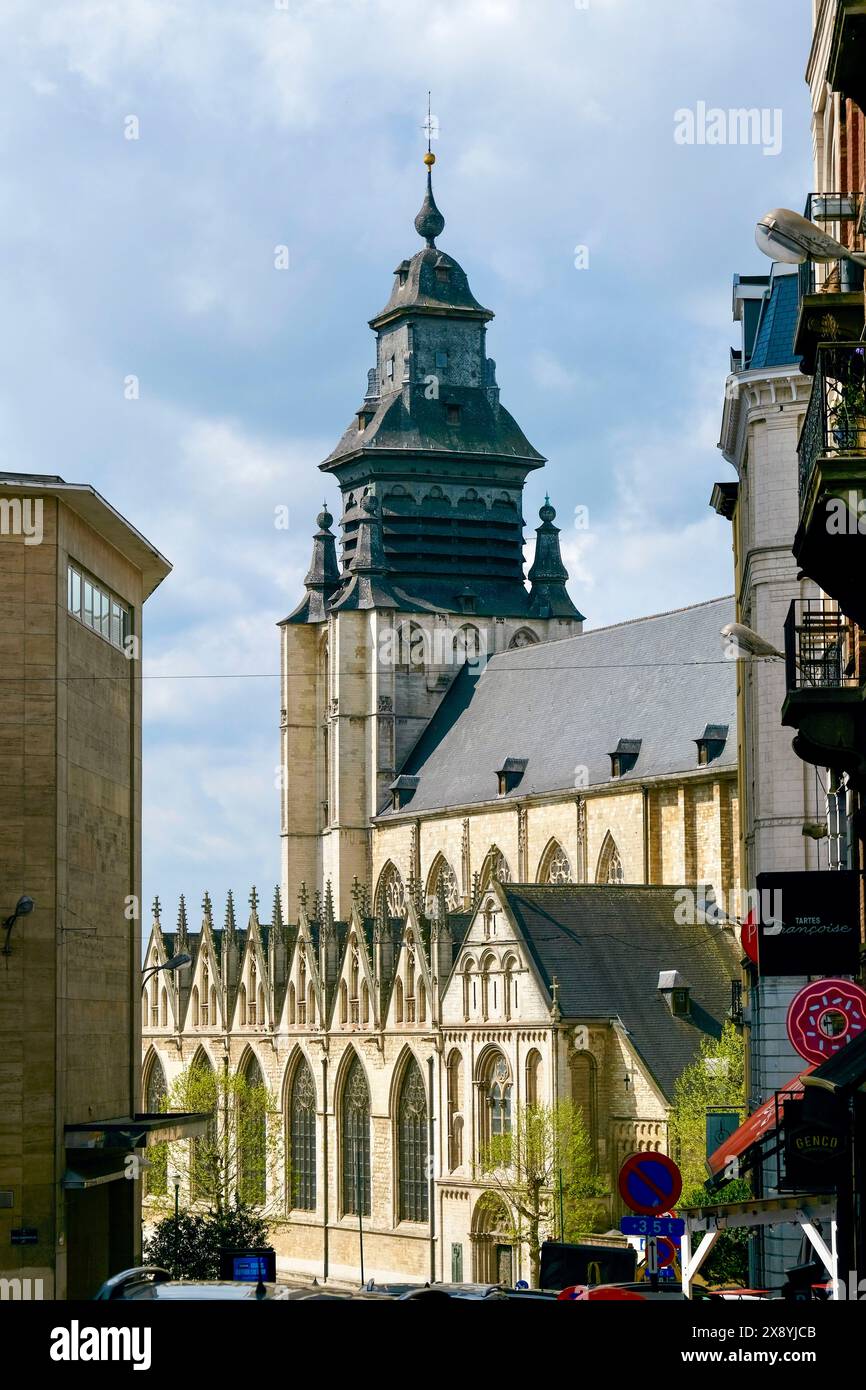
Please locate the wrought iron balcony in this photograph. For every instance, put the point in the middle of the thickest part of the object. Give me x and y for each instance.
(825, 700)
(830, 543)
(831, 292)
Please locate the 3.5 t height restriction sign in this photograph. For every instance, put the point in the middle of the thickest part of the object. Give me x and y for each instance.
(650, 1183)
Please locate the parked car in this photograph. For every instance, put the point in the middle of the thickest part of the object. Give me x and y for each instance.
(151, 1282)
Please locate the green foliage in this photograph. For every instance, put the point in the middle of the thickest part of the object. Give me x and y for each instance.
(240, 1148)
(189, 1247)
(715, 1080)
(548, 1154)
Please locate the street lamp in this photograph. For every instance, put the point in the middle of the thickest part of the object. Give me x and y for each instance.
(175, 963)
(784, 235)
(749, 642)
(23, 907)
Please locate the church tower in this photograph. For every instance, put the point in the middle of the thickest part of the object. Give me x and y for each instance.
(431, 473)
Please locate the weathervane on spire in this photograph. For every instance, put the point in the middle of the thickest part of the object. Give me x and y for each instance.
(429, 222)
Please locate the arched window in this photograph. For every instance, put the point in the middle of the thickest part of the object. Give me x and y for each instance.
(252, 1139)
(253, 1016)
(523, 637)
(302, 1140)
(214, 1017)
(555, 866)
(194, 1003)
(365, 1002)
(356, 1142)
(203, 1164)
(495, 866)
(164, 1008)
(533, 1078)
(412, 1146)
(293, 1010)
(205, 998)
(496, 1091)
(344, 1002)
(467, 644)
(609, 862)
(390, 895)
(311, 1006)
(155, 1103)
(145, 1008)
(468, 988)
(242, 1006)
(422, 1002)
(509, 987)
(398, 1000)
(455, 1109)
(487, 966)
(441, 884)
(302, 990)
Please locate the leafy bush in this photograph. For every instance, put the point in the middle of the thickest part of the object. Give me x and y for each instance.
(189, 1246)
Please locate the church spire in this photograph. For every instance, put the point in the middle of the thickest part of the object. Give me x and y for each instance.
(548, 596)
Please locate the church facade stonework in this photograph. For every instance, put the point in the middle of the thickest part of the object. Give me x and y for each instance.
(482, 806)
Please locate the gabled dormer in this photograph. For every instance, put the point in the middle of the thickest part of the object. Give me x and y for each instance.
(303, 1005)
(159, 998)
(205, 1009)
(412, 1001)
(355, 998)
(253, 1004)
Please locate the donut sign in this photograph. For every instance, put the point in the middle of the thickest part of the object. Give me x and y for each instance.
(826, 1016)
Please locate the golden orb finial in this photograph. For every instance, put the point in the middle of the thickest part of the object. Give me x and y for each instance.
(429, 159)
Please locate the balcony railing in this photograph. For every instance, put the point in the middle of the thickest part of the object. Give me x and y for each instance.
(835, 423)
(841, 215)
(819, 647)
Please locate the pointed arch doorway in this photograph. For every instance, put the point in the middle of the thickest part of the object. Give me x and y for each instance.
(494, 1254)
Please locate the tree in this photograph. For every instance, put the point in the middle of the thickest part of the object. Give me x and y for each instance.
(188, 1247)
(548, 1154)
(240, 1151)
(715, 1080)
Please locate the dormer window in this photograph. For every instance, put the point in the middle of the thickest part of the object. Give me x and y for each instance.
(364, 418)
(675, 992)
(402, 790)
(402, 273)
(510, 774)
(468, 601)
(624, 756)
(711, 743)
(389, 368)
(443, 274)
(452, 413)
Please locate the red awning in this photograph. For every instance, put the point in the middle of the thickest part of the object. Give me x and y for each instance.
(759, 1124)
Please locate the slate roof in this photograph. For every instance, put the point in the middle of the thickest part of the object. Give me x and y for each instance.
(774, 340)
(564, 705)
(607, 944)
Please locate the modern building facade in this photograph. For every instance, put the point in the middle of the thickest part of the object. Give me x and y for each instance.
(74, 577)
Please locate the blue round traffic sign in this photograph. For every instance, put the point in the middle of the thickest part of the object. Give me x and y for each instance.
(650, 1182)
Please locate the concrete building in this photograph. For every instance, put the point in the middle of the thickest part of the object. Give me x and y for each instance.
(74, 577)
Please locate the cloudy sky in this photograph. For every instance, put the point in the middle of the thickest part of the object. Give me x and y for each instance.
(298, 123)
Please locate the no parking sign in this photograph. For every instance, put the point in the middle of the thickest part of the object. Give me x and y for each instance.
(649, 1183)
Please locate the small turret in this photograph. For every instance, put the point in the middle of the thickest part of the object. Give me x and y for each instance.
(548, 596)
(323, 577)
